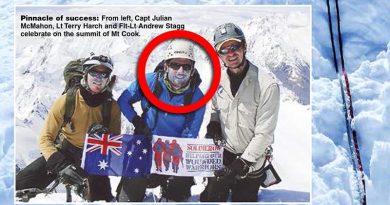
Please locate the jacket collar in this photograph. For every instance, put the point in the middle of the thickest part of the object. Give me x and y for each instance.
(251, 76)
(165, 88)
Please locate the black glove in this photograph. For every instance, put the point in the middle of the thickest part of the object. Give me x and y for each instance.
(73, 175)
(237, 169)
(214, 132)
(97, 128)
(141, 128)
(56, 162)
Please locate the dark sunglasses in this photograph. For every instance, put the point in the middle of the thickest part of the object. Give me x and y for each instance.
(177, 66)
(229, 49)
(97, 74)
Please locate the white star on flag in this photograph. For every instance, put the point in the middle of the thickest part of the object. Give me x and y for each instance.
(136, 170)
(129, 153)
(140, 158)
(144, 151)
(102, 165)
(138, 142)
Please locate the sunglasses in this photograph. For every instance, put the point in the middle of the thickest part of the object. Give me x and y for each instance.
(100, 75)
(177, 66)
(229, 49)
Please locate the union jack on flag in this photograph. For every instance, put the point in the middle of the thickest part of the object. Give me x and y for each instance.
(117, 155)
(105, 143)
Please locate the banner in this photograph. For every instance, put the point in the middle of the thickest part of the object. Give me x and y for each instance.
(185, 157)
(134, 156)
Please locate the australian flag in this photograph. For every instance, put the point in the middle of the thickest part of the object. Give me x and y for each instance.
(117, 155)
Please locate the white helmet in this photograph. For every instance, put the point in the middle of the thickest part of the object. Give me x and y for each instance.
(180, 48)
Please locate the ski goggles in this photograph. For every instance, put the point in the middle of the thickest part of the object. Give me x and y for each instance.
(99, 75)
(231, 48)
(98, 60)
(177, 66)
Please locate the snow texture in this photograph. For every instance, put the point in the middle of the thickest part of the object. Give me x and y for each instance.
(367, 63)
(366, 38)
(6, 105)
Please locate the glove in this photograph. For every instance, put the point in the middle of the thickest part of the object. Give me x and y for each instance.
(97, 128)
(236, 170)
(68, 172)
(73, 175)
(141, 128)
(56, 162)
(214, 132)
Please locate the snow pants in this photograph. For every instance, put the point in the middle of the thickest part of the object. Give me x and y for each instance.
(35, 175)
(243, 190)
(172, 187)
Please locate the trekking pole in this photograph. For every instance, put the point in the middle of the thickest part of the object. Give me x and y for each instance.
(26, 194)
(51, 189)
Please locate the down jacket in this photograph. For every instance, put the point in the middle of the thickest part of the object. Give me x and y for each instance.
(167, 124)
(83, 117)
(248, 120)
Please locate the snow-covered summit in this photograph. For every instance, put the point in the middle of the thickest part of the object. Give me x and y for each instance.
(274, 46)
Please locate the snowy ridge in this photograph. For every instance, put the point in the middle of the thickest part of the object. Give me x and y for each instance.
(271, 42)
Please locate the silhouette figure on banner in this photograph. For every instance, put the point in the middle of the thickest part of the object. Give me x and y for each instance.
(166, 155)
(176, 153)
(158, 148)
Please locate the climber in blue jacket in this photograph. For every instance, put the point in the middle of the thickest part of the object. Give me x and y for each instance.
(175, 81)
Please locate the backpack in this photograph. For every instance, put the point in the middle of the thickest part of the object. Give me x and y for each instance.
(157, 90)
(73, 73)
